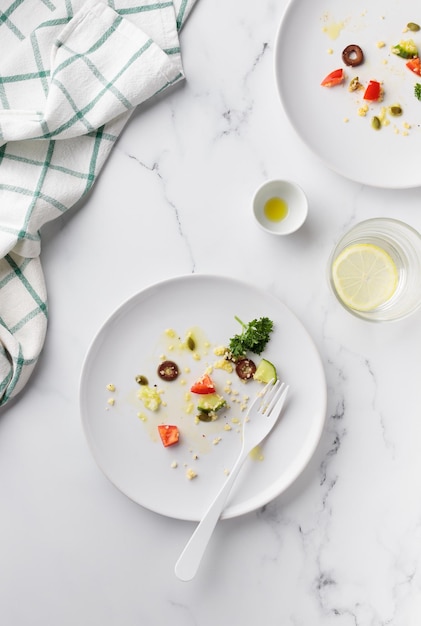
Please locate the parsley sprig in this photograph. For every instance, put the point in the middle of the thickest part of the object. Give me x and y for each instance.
(417, 91)
(253, 338)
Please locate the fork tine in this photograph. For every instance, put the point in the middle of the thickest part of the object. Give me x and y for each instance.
(267, 394)
(278, 400)
(259, 396)
(270, 385)
(272, 393)
(274, 398)
(277, 387)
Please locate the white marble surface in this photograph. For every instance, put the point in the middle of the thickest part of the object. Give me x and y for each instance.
(342, 545)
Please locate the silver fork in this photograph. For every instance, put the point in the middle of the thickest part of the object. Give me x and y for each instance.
(259, 421)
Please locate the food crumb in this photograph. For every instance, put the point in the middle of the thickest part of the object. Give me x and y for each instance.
(142, 417)
(380, 44)
(362, 111)
(227, 387)
(174, 465)
(111, 401)
(223, 364)
(227, 427)
(216, 441)
(111, 387)
(190, 474)
(329, 51)
(346, 120)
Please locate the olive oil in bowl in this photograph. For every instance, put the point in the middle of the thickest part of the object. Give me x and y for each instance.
(275, 209)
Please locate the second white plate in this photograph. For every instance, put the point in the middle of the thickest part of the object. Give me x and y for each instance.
(310, 41)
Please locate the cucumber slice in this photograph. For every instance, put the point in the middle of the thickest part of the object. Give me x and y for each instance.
(210, 403)
(265, 372)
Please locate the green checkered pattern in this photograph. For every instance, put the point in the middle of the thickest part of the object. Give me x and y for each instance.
(71, 74)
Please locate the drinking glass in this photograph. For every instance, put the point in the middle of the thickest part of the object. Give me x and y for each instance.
(403, 244)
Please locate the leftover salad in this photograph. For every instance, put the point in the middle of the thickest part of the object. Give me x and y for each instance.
(212, 393)
(374, 89)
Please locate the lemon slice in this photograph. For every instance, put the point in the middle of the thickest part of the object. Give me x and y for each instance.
(365, 276)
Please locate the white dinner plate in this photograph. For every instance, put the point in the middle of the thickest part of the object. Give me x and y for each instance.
(310, 41)
(127, 447)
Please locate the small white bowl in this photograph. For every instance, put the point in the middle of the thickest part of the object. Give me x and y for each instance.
(294, 198)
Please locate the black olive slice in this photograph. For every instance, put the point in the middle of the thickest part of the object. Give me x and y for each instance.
(245, 368)
(352, 55)
(168, 370)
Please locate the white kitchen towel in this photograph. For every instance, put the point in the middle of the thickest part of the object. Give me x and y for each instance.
(71, 74)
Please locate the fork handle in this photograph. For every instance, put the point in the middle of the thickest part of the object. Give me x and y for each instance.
(189, 560)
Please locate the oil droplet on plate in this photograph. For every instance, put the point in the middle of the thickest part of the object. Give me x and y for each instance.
(333, 30)
(256, 454)
(275, 209)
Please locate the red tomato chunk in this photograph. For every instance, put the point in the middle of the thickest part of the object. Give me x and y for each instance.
(415, 66)
(373, 91)
(169, 434)
(203, 385)
(334, 78)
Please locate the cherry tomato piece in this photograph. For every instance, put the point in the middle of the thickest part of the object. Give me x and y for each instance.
(203, 385)
(415, 66)
(334, 78)
(373, 91)
(169, 434)
(245, 369)
(168, 370)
